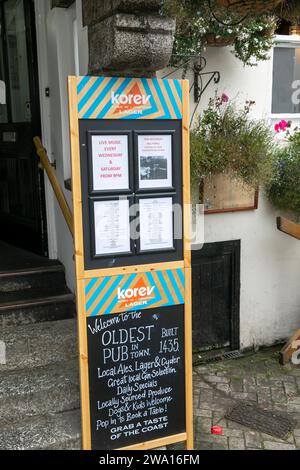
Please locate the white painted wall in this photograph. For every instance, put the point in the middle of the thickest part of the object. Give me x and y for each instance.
(63, 49)
(270, 260)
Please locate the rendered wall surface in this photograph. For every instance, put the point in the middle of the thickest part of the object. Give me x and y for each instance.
(270, 260)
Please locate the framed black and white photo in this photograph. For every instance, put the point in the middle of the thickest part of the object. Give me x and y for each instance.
(156, 224)
(155, 161)
(109, 163)
(111, 227)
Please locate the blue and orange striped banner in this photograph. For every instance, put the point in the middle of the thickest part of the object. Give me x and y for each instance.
(130, 292)
(128, 98)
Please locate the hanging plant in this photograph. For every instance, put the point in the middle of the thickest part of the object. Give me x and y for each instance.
(201, 23)
(255, 40)
(227, 141)
(284, 189)
(250, 7)
(212, 40)
(289, 10)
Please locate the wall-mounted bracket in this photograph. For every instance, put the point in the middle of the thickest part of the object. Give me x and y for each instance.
(199, 85)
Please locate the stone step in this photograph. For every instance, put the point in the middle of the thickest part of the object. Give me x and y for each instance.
(32, 283)
(38, 345)
(43, 309)
(60, 431)
(39, 391)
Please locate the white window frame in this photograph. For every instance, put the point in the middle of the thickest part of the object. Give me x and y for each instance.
(283, 41)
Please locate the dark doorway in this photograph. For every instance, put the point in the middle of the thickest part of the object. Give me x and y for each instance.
(216, 295)
(22, 204)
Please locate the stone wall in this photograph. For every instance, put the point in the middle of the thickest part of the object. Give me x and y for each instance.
(127, 37)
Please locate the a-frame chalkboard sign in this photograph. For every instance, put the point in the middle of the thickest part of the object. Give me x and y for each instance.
(130, 170)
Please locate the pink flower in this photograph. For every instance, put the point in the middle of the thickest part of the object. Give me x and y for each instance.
(277, 127)
(224, 98)
(283, 125)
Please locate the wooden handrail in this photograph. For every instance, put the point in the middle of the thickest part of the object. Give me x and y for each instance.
(61, 199)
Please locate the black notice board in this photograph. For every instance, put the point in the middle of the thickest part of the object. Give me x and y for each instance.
(89, 127)
(136, 376)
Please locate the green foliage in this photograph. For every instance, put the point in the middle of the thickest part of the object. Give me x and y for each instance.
(252, 37)
(254, 40)
(284, 189)
(228, 141)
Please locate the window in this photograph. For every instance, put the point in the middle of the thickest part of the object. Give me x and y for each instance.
(14, 62)
(3, 107)
(286, 73)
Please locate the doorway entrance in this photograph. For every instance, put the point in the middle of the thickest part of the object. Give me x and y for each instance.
(216, 296)
(22, 200)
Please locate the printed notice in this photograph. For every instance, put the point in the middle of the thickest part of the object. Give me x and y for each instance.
(136, 376)
(110, 162)
(156, 224)
(112, 229)
(155, 161)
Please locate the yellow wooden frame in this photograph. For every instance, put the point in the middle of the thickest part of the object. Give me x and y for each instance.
(82, 275)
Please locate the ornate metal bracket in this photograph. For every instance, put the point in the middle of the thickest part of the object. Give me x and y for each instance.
(199, 85)
(197, 64)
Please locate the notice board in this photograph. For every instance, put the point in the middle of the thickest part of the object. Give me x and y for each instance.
(130, 175)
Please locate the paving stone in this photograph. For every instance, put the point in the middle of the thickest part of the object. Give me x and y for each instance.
(293, 407)
(204, 413)
(237, 426)
(236, 443)
(253, 440)
(270, 445)
(216, 379)
(233, 433)
(223, 388)
(203, 445)
(290, 388)
(206, 395)
(237, 385)
(278, 395)
(262, 381)
(240, 395)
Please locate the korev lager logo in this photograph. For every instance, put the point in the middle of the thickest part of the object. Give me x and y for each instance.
(129, 99)
(138, 295)
(136, 292)
(134, 102)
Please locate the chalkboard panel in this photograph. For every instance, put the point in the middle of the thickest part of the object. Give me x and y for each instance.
(136, 376)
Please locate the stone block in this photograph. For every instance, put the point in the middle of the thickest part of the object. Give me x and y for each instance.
(130, 45)
(94, 11)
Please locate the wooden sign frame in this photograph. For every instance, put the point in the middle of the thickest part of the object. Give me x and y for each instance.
(82, 275)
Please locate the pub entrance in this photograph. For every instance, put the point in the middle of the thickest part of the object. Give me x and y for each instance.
(22, 201)
(216, 296)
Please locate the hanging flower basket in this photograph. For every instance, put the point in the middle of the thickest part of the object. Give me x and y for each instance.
(289, 10)
(244, 7)
(211, 39)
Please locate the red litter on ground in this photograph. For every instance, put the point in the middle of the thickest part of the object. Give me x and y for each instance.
(217, 430)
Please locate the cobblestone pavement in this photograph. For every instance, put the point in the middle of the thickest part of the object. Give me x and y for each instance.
(258, 378)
